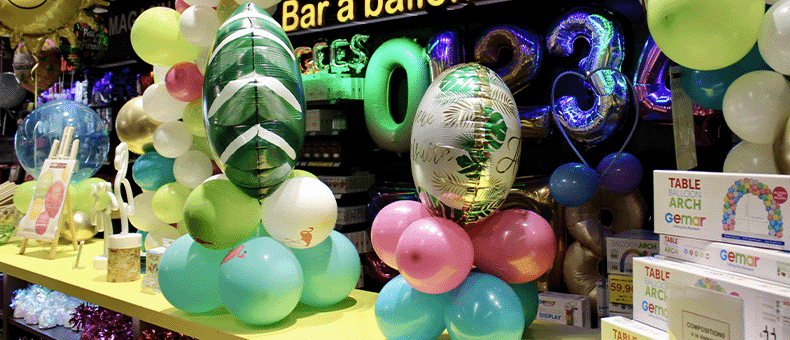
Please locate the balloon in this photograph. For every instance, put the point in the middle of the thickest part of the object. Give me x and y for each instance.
(527, 54)
(11, 92)
(300, 213)
(751, 158)
(199, 25)
(47, 72)
(391, 55)
(160, 105)
(134, 126)
(620, 173)
(219, 215)
(168, 202)
(254, 100)
(773, 38)
(535, 121)
(260, 281)
(445, 49)
(705, 35)
(89, 46)
(36, 21)
(151, 171)
(484, 307)
(160, 72)
(606, 41)
(403, 312)
(44, 125)
(23, 194)
(189, 276)
(82, 198)
(301, 173)
(463, 170)
(584, 222)
(707, 88)
(528, 295)
(158, 235)
(157, 40)
(172, 139)
(515, 245)
(434, 255)
(192, 168)
(83, 229)
(331, 270)
(573, 184)
(180, 6)
(144, 218)
(389, 224)
(756, 106)
(581, 271)
(225, 9)
(184, 81)
(193, 118)
(208, 3)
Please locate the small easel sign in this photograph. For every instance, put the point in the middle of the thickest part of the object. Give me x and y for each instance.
(50, 206)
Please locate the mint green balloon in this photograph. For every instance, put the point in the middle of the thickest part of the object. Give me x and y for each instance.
(189, 275)
(218, 214)
(168, 202)
(528, 295)
(331, 270)
(23, 194)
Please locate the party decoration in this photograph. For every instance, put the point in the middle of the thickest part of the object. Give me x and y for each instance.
(391, 55)
(375, 268)
(606, 41)
(484, 306)
(535, 121)
(144, 218)
(160, 105)
(198, 25)
(11, 92)
(528, 295)
(756, 106)
(134, 127)
(729, 31)
(581, 271)
(160, 233)
(389, 224)
(168, 202)
(172, 139)
(82, 196)
(90, 44)
(193, 118)
(301, 173)
(47, 66)
(157, 40)
(619, 212)
(218, 215)
(189, 275)
(35, 22)
(22, 195)
(434, 255)
(782, 151)
(331, 270)
(707, 88)
(403, 312)
(151, 171)
(573, 184)
(260, 281)
(44, 125)
(773, 37)
(620, 172)
(752, 158)
(465, 144)
(83, 229)
(283, 212)
(184, 81)
(515, 245)
(192, 168)
(527, 54)
(254, 101)
(445, 49)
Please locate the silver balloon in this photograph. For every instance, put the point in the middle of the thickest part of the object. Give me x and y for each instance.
(535, 121)
(527, 51)
(11, 92)
(610, 88)
(445, 49)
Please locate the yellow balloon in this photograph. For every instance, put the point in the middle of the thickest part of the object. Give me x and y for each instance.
(156, 38)
(134, 126)
(83, 229)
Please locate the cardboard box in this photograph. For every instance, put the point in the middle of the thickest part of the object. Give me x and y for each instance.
(564, 309)
(621, 248)
(766, 306)
(722, 207)
(695, 315)
(772, 265)
(620, 328)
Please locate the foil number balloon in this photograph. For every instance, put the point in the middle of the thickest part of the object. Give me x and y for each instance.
(254, 101)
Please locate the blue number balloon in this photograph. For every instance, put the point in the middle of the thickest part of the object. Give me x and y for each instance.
(403, 312)
(445, 49)
(607, 45)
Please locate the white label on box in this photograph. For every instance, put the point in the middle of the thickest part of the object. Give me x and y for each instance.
(701, 313)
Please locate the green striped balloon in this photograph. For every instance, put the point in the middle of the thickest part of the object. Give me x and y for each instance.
(253, 101)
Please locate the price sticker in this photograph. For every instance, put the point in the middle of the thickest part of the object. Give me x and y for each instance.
(621, 289)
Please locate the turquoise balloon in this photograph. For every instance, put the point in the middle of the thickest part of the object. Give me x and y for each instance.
(707, 88)
(260, 281)
(528, 295)
(152, 170)
(331, 270)
(144, 233)
(484, 307)
(403, 312)
(189, 275)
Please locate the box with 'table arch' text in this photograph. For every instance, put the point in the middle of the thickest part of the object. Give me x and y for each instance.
(735, 208)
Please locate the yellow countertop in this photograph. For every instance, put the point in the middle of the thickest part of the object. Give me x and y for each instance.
(352, 318)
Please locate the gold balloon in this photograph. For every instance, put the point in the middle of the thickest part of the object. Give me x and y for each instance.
(782, 151)
(581, 272)
(134, 126)
(83, 229)
(584, 224)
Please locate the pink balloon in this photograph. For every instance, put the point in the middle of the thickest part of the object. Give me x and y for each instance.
(388, 225)
(181, 6)
(434, 255)
(184, 81)
(515, 245)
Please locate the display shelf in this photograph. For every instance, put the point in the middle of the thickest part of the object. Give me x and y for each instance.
(55, 333)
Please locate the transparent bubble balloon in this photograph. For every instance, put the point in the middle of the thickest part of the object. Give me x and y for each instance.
(44, 125)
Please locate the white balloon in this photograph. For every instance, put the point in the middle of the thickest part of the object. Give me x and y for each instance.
(260, 3)
(144, 218)
(774, 39)
(300, 213)
(202, 60)
(158, 236)
(756, 106)
(172, 139)
(751, 158)
(199, 25)
(209, 3)
(192, 168)
(160, 72)
(160, 106)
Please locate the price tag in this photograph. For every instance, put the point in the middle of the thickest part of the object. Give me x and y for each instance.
(621, 289)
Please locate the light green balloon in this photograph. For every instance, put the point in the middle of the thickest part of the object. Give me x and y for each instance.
(705, 34)
(82, 196)
(301, 173)
(168, 202)
(23, 194)
(201, 143)
(156, 38)
(218, 214)
(193, 118)
(331, 270)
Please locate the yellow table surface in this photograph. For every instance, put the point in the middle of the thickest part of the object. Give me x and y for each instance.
(352, 318)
